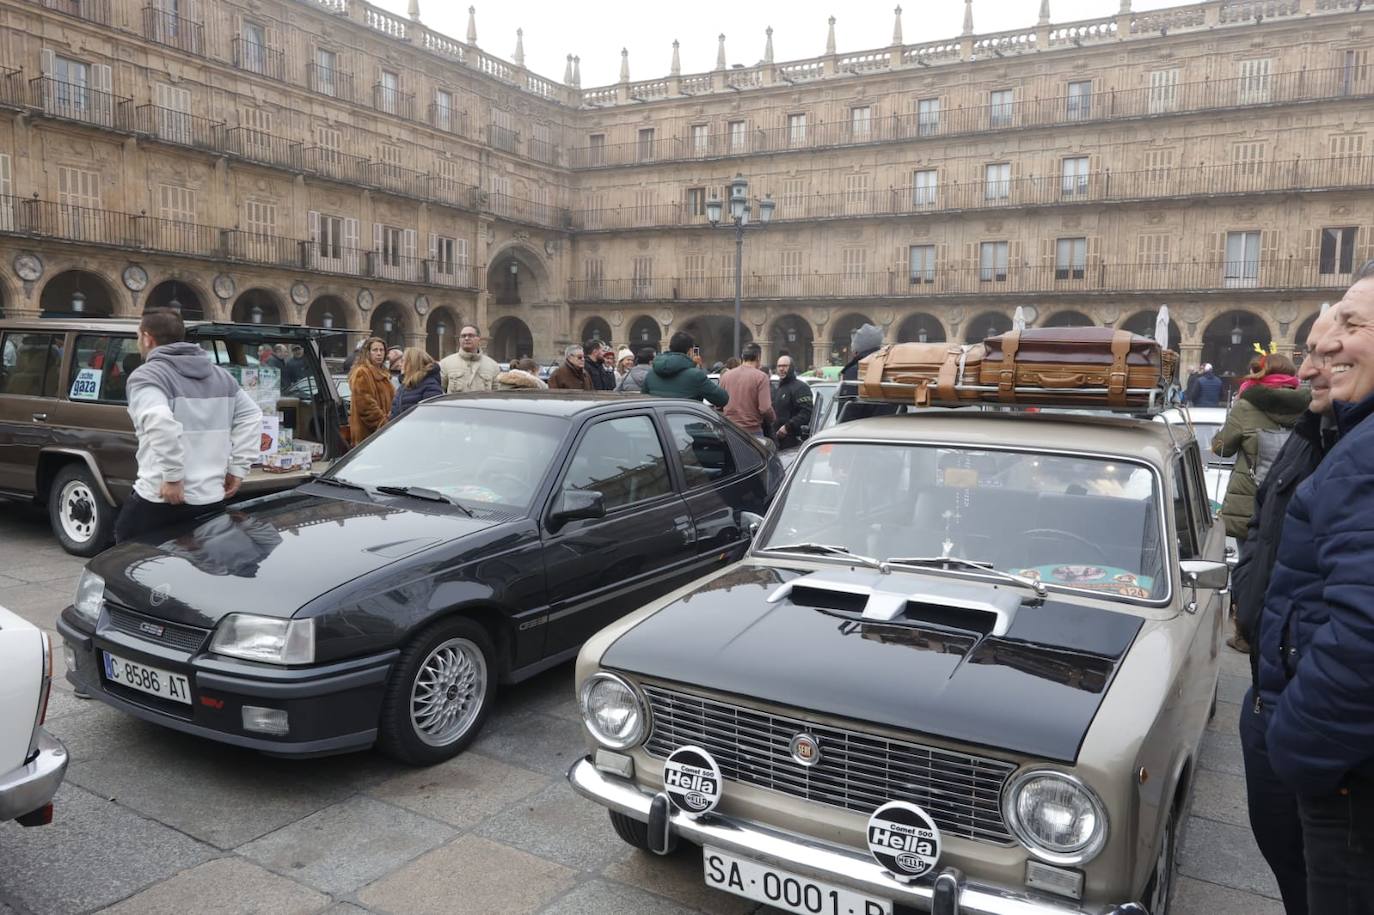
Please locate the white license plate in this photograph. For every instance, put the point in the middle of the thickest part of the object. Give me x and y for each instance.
(147, 679)
(784, 890)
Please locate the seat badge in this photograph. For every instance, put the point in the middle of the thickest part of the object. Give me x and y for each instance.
(692, 781)
(904, 840)
(805, 749)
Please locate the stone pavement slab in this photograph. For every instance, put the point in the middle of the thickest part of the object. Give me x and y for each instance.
(224, 886)
(601, 897)
(541, 743)
(558, 825)
(462, 792)
(95, 853)
(1221, 797)
(347, 845)
(677, 876)
(1197, 897)
(470, 876)
(1226, 855)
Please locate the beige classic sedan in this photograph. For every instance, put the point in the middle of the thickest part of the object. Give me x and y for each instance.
(965, 667)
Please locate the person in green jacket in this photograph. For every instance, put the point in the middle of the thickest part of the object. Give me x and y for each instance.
(1270, 401)
(676, 374)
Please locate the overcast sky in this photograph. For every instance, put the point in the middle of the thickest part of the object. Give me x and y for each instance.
(598, 29)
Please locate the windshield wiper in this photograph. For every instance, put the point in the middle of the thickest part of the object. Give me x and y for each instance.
(338, 481)
(423, 492)
(825, 549)
(976, 565)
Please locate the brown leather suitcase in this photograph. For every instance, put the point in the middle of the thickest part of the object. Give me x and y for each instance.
(921, 373)
(1064, 363)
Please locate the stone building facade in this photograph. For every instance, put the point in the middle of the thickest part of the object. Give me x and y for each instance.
(326, 162)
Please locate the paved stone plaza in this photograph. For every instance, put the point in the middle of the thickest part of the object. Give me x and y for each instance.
(151, 821)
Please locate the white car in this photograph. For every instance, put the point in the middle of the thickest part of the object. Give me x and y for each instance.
(1207, 422)
(32, 761)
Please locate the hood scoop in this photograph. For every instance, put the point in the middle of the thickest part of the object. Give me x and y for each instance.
(891, 598)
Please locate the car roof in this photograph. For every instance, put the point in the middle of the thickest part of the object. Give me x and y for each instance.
(130, 326)
(554, 403)
(1126, 436)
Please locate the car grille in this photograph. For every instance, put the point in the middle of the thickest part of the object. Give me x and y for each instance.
(173, 635)
(858, 771)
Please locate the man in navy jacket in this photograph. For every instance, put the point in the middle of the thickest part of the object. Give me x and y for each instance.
(1317, 632)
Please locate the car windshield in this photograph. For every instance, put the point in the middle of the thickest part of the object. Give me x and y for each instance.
(476, 458)
(1205, 432)
(1072, 522)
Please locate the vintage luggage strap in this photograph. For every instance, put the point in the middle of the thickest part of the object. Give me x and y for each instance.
(920, 365)
(1116, 376)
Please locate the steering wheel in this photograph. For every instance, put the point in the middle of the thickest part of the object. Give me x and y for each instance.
(1097, 548)
(518, 492)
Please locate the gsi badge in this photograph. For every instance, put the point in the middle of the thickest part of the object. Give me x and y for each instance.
(692, 781)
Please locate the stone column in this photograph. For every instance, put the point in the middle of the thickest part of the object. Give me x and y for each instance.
(820, 353)
(765, 350)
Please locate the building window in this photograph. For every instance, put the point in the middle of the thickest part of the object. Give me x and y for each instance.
(796, 129)
(391, 161)
(1070, 258)
(1242, 259)
(928, 116)
(503, 135)
(998, 181)
(924, 186)
(646, 144)
(791, 263)
(922, 264)
(1074, 177)
(992, 262)
(591, 275)
(596, 149)
(1080, 100)
(176, 203)
(541, 146)
(1163, 90)
(331, 237)
(793, 192)
(1254, 81)
(254, 39)
(1248, 159)
(499, 196)
(330, 142)
(390, 92)
(260, 218)
(443, 109)
(855, 262)
(1354, 72)
(1338, 250)
(694, 268)
(701, 139)
(446, 255)
(78, 187)
(860, 123)
(70, 93)
(696, 201)
(1158, 162)
(1152, 251)
(642, 284)
(1000, 107)
(856, 192)
(1346, 145)
(738, 136)
(326, 70)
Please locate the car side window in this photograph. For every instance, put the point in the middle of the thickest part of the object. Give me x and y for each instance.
(30, 363)
(101, 366)
(702, 447)
(1183, 520)
(623, 460)
(1197, 488)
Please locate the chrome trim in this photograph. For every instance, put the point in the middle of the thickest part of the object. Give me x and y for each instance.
(1089, 851)
(645, 717)
(810, 858)
(44, 694)
(29, 787)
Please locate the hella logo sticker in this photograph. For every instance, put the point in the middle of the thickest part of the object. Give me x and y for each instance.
(692, 781)
(903, 839)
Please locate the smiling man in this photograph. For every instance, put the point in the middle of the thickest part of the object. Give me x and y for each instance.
(1316, 673)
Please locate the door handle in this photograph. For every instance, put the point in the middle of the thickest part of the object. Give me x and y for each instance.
(40, 417)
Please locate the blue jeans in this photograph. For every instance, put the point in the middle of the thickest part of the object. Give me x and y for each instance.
(1273, 812)
(1338, 832)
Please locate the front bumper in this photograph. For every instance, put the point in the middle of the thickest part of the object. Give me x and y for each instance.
(32, 785)
(948, 893)
(332, 708)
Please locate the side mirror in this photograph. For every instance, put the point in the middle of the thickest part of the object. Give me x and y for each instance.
(751, 522)
(576, 505)
(1203, 573)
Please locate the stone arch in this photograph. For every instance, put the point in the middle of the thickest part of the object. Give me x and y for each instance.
(331, 313)
(1143, 323)
(510, 340)
(530, 282)
(258, 306)
(842, 330)
(175, 292)
(9, 300)
(645, 331)
(1304, 329)
(391, 322)
(79, 292)
(986, 324)
(1228, 341)
(1068, 317)
(595, 328)
(921, 327)
(792, 334)
(441, 331)
(714, 334)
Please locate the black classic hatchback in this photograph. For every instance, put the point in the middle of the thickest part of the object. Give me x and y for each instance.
(478, 539)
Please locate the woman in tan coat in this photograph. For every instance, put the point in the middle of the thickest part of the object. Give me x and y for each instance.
(370, 389)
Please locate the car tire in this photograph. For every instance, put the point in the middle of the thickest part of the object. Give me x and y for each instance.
(1160, 890)
(80, 517)
(440, 693)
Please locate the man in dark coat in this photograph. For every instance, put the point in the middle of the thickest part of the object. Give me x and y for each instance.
(866, 341)
(675, 374)
(603, 378)
(792, 402)
(1204, 390)
(1316, 668)
(572, 375)
(1273, 806)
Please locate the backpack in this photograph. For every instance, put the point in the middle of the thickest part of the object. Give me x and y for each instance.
(1268, 444)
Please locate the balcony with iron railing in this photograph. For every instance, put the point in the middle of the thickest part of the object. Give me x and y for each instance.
(262, 147)
(328, 162)
(1293, 87)
(503, 138)
(77, 102)
(542, 151)
(330, 81)
(518, 209)
(12, 94)
(448, 119)
(253, 57)
(174, 31)
(97, 11)
(393, 101)
(397, 179)
(451, 192)
(1231, 179)
(179, 128)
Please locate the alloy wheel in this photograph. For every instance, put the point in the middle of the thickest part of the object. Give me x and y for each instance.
(448, 691)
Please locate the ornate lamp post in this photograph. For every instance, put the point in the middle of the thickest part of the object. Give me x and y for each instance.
(739, 215)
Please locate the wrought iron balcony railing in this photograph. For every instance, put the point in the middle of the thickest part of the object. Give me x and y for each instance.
(263, 147)
(393, 101)
(77, 102)
(398, 179)
(174, 31)
(260, 59)
(91, 10)
(329, 162)
(12, 93)
(448, 119)
(330, 81)
(179, 128)
(503, 138)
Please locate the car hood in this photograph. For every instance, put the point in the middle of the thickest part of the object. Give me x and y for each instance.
(270, 556)
(1032, 690)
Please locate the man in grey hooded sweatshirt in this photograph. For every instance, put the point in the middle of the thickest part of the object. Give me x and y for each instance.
(198, 432)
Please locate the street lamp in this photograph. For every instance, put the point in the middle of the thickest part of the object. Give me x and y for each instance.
(327, 320)
(739, 215)
(388, 325)
(1236, 335)
(441, 329)
(921, 335)
(255, 314)
(78, 301)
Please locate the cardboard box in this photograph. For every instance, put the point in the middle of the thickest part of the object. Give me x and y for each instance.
(286, 461)
(314, 449)
(271, 430)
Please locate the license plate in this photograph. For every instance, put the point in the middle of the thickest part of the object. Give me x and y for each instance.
(783, 890)
(147, 679)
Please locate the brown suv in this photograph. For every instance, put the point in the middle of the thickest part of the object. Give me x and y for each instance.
(66, 438)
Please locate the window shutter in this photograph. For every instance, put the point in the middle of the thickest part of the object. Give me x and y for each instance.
(377, 237)
(970, 255)
(47, 63)
(462, 256)
(410, 239)
(1047, 253)
(433, 247)
(901, 264)
(1269, 258)
(1218, 247)
(1094, 250)
(1015, 255)
(1366, 238)
(6, 178)
(312, 225)
(350, 240)
(1310, 251)
(102, 77)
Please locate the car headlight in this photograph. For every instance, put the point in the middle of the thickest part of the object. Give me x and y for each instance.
(1056, 816)
(265, 638)
(90, 594)
(613, 711)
